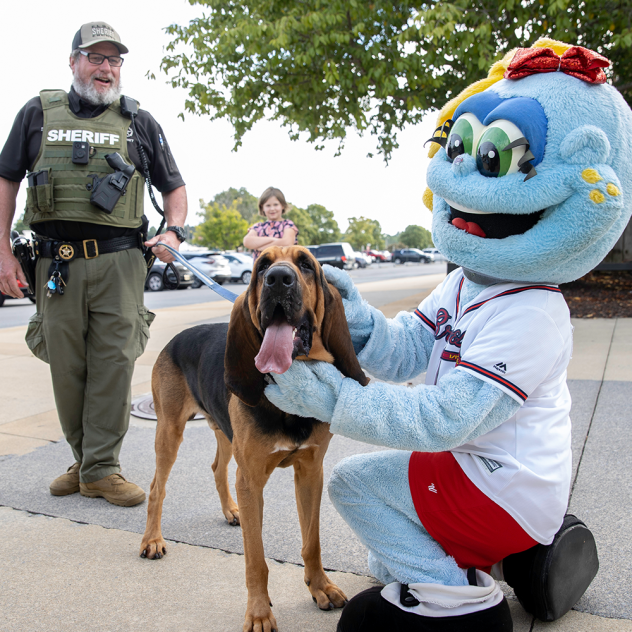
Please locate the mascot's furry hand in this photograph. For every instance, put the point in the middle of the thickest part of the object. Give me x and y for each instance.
(358, 312)
(308, 389)
(396, 349)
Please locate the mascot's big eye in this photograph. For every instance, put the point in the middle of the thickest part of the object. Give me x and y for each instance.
(497, 153)
(463, 136)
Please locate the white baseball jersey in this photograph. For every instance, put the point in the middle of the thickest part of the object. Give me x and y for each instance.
(517, 337)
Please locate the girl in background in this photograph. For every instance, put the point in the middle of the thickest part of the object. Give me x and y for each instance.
(275, 231)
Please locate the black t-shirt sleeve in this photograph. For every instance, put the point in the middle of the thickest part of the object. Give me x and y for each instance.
(163, 170)
(23, 144)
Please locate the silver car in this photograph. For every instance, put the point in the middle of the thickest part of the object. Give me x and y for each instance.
(435, 254)
(240, 266)
(213, 265)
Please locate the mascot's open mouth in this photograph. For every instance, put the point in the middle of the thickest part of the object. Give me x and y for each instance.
(493, 225)
(282, 341)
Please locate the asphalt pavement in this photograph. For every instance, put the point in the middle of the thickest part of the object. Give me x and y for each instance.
(15, 312)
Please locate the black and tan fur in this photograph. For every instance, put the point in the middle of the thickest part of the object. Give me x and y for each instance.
(211, 369)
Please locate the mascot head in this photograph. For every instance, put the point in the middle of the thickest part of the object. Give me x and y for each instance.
(531, 179)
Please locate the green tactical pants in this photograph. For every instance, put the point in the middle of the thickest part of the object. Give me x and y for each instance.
(91, 337)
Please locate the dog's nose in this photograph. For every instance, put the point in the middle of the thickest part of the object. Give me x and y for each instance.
(280, 278)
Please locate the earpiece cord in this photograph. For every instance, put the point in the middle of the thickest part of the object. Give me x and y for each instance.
(150, 262)
(143, 159)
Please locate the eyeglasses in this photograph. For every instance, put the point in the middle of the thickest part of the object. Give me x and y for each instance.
(97, 59)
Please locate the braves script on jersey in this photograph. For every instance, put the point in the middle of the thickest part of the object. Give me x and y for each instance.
(517, 337)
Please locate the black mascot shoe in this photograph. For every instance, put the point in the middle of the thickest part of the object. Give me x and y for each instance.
(549, 580)
(368, 611)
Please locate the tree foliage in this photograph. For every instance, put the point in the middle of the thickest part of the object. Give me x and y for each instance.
(223, 227)
(326, 227)
(19, 225)
(415, 237)
(322, 67)
(246, 203)
(316, 225)
(302, 220)
(363, 232)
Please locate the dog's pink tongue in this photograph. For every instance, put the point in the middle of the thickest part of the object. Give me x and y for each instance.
(276, 350)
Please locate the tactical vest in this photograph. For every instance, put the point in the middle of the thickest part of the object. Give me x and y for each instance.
(66, 196)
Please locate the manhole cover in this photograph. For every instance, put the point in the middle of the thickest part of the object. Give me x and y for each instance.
(143, 407)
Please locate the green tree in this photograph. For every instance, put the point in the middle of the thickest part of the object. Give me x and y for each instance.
(316, 225)
(247, 204)
(307, 232)
(223, 227)
(322, 67)
(20, 225)
(416, 237)
(327, 229)
(362, 232)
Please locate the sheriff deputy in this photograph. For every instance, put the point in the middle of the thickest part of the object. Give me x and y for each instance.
(91, 323)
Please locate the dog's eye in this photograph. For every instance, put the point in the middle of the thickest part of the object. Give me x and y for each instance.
(306, 265)
(263, 266)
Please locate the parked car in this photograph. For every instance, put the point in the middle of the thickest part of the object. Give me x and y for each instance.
(213, 264)
(240, 266)
(362, 260)
(376, 256)
(339, 255)
(410, 254)
(387, 255)
(436, 255)
(154, 282)
(3, 297)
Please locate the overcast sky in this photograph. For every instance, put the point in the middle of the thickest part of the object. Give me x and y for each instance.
(36, 38)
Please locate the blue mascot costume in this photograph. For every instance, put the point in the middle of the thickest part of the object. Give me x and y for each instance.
(529, 188)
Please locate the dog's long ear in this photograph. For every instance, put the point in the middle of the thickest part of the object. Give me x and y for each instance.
(335, 334)
(242, 345)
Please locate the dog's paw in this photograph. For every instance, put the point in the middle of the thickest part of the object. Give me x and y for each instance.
(259, 617)
(153, 549)
(325, 593)
(232, 516)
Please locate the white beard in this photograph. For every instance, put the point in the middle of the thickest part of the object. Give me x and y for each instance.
(89, 93)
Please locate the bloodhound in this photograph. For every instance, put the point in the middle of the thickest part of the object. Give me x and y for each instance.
(288, 312)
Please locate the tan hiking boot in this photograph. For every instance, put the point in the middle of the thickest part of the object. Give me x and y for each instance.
(67, 483)
(115, 489)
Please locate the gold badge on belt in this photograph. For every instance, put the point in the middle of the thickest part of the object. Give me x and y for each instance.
(66, 252)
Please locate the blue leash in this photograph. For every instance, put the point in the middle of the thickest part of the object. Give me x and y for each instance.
(216, 287)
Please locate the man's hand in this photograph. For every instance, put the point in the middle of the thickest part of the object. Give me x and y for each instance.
(175, 203)
(10, 272)
(163, 254)
(10, 269)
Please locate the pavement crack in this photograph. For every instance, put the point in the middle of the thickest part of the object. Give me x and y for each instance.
(15, 434)
(592, 414)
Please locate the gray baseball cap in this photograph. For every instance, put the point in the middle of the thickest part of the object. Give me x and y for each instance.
(95, 32)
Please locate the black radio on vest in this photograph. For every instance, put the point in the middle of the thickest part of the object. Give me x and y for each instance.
(107, 191)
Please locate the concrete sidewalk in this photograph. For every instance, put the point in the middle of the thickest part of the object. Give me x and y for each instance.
(75, 574)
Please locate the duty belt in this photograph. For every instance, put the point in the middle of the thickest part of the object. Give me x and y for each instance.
(86, 249)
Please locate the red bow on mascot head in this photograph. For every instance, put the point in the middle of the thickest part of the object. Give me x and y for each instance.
(577, 61)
